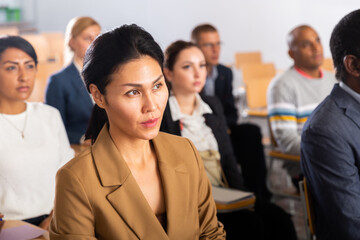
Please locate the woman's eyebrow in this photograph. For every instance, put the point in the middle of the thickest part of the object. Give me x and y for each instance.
(139, 85)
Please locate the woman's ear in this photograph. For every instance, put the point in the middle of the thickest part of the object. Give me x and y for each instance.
(71, 44)
(168, 74)
(97, 96)
(352, 65)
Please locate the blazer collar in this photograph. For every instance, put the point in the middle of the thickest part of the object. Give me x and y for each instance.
(79, 85)
(346, 102)
(128, 199)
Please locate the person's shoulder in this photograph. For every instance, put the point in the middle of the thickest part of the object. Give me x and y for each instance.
(319, 118)
(223, 69)
(42, 108)
(80, 164)
(213, 102)
(283, 80)
(329, 76)
(44, 111)
(63, 73)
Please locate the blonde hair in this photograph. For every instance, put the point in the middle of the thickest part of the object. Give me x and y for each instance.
(73, 29)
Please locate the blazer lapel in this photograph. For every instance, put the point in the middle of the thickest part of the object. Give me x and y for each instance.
(128, 199)
(80, 87)
(349, 104)
(175, 181)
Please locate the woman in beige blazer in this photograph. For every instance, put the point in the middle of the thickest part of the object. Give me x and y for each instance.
(133, 182)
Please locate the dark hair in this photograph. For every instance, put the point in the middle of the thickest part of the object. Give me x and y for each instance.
(172, 52)
(344, 41)
(195, 34)
(19, 43)
(106, 54)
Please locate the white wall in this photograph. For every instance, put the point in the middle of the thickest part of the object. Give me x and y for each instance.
(243, 25)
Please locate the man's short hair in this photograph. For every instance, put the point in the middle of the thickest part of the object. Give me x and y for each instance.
(195, 34)
(291, 35)
(345, 40)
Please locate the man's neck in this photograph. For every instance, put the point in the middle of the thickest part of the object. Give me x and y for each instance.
(209, 69)
(310, 73)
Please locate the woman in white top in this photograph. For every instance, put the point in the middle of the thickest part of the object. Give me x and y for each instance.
(33, 141)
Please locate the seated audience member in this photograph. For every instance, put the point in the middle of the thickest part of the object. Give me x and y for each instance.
(246, 138)
(133, 182)
(33, 141)
(330, 144)
(201, 119)
(293, 95)
(66, 90)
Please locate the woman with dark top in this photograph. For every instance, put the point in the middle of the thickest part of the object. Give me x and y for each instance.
(133, 182)
(66, 89)
(201, 119)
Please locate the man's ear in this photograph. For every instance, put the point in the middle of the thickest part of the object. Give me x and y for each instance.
(352, 65)
(168, 74)
(97, 96)
(291, 53)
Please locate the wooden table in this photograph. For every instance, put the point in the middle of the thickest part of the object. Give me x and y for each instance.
(16, 223)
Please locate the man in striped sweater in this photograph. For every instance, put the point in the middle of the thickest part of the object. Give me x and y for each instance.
(293, 95)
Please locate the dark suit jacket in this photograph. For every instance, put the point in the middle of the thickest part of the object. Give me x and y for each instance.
(330, 160)
(97, 197)
(223, 90)
(67, 92)
(216, 122)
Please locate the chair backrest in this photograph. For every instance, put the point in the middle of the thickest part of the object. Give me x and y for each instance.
(256, 92)
(56, 45)
(308, 205)
(258, 70)
(328, 65)
(40, 44)
(242, 58)
(44, 70)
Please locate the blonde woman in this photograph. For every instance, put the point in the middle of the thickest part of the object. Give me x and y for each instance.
(66, 90)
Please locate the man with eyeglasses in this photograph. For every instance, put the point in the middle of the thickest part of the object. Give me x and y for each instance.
(219, 78)
(246, 138)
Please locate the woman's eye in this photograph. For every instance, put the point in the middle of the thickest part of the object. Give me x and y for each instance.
(132, 92)
(11, 68)
(203, 65)
(30, 66)
(157, 86)
(186, 67)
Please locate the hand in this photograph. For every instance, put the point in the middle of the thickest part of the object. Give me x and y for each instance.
(46, 222)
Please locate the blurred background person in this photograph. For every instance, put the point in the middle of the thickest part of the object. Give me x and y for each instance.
(294, 94)
(66, 89)
(201, 119)
(246, 138)
(33, 141)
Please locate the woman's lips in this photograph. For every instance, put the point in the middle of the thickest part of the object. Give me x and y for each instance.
(150, 123)
(23, 89)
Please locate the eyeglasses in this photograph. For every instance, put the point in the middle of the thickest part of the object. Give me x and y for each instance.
(211, 45)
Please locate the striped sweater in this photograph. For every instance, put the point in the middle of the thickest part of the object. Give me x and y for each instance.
(291, 97)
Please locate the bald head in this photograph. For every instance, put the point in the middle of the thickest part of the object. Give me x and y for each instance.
(294, 34)
(305, 48)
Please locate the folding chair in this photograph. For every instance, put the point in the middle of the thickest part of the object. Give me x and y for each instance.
(242, 58)
(309, 215)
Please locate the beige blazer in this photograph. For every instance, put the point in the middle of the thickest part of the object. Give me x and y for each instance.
(98, 198)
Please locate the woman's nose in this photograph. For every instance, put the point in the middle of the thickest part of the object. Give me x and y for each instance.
(149, 104)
